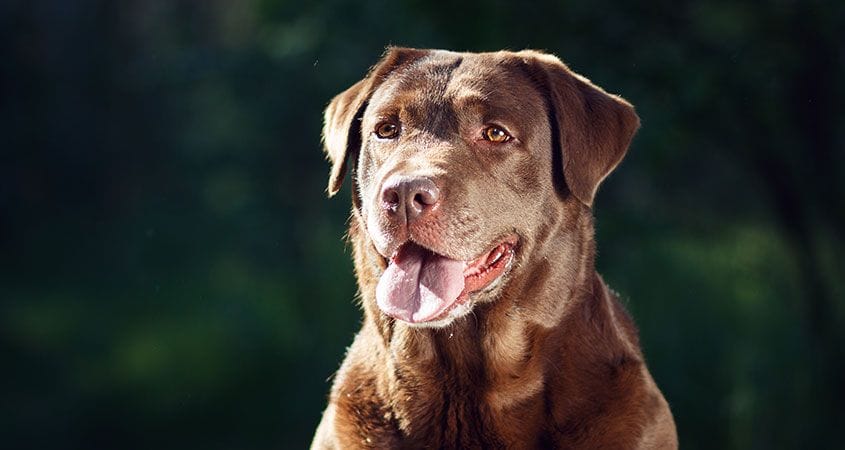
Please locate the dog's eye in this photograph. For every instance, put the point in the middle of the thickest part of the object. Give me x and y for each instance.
(496, 135)
(387, 130)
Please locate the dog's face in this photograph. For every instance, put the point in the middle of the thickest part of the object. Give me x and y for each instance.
(458, 166)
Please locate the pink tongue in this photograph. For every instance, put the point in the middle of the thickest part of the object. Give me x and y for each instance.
(419, 285)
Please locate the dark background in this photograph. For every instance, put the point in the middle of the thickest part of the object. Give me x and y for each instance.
(174, 277)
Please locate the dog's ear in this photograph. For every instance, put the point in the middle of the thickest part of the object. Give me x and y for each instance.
(341, 121)
(594, 128)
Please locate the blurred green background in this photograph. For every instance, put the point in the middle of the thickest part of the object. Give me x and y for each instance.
(174, 277)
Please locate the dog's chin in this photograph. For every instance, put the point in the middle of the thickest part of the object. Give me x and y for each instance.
(425, 289)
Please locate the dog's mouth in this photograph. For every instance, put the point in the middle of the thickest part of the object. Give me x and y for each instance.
(421, 286)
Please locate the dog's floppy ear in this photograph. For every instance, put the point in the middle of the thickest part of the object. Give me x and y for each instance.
(594, 127)
(341, 121)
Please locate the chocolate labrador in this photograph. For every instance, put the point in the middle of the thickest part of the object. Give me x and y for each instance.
(485, 322)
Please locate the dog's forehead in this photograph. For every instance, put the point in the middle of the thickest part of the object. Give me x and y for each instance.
(456, 78)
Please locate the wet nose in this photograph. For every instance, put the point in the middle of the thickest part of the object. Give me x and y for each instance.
(411, 197)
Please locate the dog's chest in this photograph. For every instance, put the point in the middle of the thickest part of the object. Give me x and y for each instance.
(447, 405)
(445, 415)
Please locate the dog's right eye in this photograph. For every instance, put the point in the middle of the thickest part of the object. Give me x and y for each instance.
(387, 130)
(496, 135)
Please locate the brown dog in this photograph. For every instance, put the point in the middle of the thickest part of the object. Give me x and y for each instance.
(486, 324)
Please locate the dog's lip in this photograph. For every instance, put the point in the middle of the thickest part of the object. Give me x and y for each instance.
(490, 261)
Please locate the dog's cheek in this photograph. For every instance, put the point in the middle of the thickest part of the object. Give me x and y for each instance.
(376, 225)
(522, 183)
(531, 179)
(364, 177)
(378, 233)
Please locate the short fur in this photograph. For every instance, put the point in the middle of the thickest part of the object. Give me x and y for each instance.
(548, 357)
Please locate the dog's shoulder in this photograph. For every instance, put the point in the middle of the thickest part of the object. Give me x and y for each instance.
(357, 414)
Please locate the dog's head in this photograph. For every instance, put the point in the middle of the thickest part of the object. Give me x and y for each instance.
(459, 161)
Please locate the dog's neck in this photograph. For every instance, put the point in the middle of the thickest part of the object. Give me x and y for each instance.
(435, 370)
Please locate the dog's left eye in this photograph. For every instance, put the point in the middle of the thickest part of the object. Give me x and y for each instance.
(387, 130)
(496, 135)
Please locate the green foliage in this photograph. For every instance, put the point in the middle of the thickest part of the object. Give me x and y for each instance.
(173, 276)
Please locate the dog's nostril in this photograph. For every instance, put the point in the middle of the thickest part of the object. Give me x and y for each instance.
(423, 199)
(423, 196)
(391, 197)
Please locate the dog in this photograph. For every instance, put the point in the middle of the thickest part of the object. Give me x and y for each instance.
(485, 322)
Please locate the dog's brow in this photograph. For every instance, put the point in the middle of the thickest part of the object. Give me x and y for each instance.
(473, 100)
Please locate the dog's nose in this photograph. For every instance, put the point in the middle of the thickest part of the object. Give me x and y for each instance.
(412, 197)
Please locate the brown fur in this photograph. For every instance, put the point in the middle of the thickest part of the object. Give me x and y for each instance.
(548, 358)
